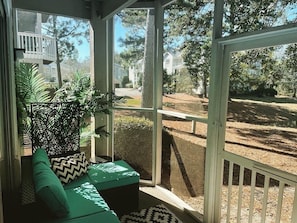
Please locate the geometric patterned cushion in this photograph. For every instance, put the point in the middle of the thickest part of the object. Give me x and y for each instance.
(70, 167)
(158, 213)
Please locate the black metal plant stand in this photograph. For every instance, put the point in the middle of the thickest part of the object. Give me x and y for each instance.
(55, 127)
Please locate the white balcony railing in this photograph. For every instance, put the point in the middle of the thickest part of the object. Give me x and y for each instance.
(254, 192)
(37, 46)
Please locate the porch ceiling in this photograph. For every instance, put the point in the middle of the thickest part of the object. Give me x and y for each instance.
(104, 9)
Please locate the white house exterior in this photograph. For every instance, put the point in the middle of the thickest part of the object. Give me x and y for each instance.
(118, 73)
(172, 63)
(38, 49)
(135, 73)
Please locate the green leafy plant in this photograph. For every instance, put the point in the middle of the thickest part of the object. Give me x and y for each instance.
(92, 101)
(30, 87)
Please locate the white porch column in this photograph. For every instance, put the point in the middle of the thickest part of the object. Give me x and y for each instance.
(158, 86)
(218, 96)
(101, 42)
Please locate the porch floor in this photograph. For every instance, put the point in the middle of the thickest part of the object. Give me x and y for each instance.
(151, 196)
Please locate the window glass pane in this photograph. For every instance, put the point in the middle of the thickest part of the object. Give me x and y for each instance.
(186, 59)
(186, 103)
(186, 70)
(133, 79)
(247, 16)
(133, 140)
(262, 108)
(183, 165)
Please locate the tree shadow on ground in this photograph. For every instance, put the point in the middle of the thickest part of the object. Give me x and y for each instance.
(261, 114)
(281, 100)
(276, 139)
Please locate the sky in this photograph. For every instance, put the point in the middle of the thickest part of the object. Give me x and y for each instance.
(119, 31)
(84, 48)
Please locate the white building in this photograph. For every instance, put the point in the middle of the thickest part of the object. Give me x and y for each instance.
(119, 72)
(172, 63)
(38, 49)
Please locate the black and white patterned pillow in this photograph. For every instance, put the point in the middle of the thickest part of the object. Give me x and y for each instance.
(70, 167)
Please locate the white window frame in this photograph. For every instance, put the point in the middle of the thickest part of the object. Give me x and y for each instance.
(219, 88)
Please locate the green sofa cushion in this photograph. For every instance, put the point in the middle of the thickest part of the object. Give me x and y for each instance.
(50, 190)
(40, 155)
(112, 174)
(77, 182)
(85, 200)
(85, 203)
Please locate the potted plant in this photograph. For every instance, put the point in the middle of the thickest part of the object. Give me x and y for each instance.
(30, 87)
(91, 101)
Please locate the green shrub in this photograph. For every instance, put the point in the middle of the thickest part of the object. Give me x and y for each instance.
(125, 81)
(129, 122)
(184, 83)
(133, 143)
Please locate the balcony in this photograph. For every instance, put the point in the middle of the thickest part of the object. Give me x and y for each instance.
(37, 47)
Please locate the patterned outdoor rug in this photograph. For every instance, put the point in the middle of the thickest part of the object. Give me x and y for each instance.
(156, 214)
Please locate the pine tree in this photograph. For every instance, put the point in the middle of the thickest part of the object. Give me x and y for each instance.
(192, 20)
(133, 44)
(291, 64)
(66, 31)
(139, 44)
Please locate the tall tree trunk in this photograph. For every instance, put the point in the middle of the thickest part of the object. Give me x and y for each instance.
(294, 90)
(294, 86)
(58, 61)
(205, 93)
(148, 74)
(59, 73)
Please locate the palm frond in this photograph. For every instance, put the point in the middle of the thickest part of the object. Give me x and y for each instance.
(30, 87)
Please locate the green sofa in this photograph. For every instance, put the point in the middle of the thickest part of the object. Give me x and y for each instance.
(99, 194)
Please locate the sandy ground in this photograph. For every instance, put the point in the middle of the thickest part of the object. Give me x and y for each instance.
(262, 131)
